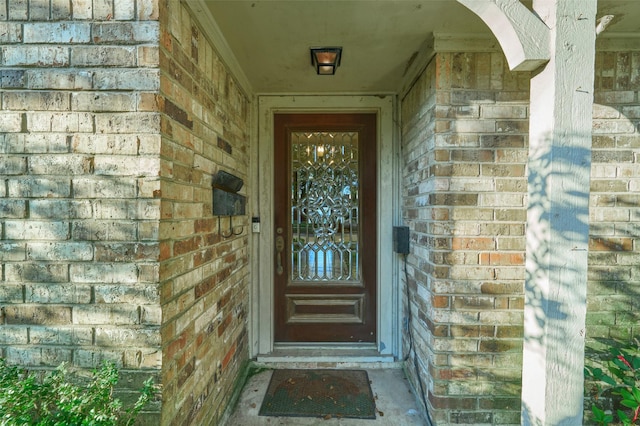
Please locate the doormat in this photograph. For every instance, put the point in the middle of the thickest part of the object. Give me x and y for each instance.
(319, 393)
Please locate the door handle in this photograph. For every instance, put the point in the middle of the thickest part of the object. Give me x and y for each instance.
(279, 248)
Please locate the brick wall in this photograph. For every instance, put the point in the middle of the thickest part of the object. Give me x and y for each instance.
(79, 206)
(203, 276)
(464, 141)
(614, 277)
(464, 146)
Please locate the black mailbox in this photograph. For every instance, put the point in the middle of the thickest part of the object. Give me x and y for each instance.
(226, 200)
(227, 203)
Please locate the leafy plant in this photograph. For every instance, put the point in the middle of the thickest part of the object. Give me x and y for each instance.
(620, 380)
(54, 400)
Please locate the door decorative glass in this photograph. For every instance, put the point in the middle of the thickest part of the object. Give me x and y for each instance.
(325, 208)
(324, 227)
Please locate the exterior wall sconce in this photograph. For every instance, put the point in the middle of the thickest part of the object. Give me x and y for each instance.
(326, 59)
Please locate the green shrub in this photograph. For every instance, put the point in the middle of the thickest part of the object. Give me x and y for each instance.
(619, 383)
(27, 399)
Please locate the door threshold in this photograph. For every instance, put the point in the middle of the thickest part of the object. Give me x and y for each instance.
(327, 356)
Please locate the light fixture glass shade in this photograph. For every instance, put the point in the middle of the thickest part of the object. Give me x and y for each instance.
(326, 59)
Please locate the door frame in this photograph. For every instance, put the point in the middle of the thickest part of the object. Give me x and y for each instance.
(262, 321)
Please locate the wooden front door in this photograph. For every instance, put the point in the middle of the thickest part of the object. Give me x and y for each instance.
(325, 227)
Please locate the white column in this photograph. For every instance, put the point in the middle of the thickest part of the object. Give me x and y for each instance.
(558, 216)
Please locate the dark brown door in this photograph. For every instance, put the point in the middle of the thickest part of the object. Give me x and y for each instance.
(325, 227)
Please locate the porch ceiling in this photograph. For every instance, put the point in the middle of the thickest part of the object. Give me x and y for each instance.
(270, 39)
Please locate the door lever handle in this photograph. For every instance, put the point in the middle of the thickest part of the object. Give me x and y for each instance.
(279, 248)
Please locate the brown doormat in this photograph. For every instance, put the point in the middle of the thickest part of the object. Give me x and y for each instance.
(319, 393)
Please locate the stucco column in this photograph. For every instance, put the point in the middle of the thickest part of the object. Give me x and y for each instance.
(558, 191)
(558, 216)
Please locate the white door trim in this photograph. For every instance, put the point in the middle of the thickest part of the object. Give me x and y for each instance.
(388, 308)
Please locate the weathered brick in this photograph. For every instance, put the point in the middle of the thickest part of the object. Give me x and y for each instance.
(126, 79)
(103, 273)
(12, 165)
(126, 337)
(504, 111)
(82, 9)
(614, 97)
(103, 230)
(111, 209)
(37, 315)
(110, 315)
(42, 56)
(147, 10)
(10, 293)
(67, 122)
(60, 9)
(36, 230)
(107, 56)
(605, 111)
(47, 356)
(474, 126)
(35, 143)
(36, 101)
(61, 335)
(38, 10)
(512, 126)
(36, 272)
(148, 273)
(52, 209)
(135, 295)
(12, 209)
(10, 122)
(120, 252)
(59, 79)
(135, 166)
(124, 9)
(10, 32)
(104, 188)
(125, 32)
(10, 335)
(57, 33)
(103, 102)
(12, 79)
(148, 56)
(69, 164)
(142, 359)
(56, 251)
(128, 123)
(12, 251)
(149, 231)
(631, 111)
(18, 10)
(57, 293)
(612, 126)
(90, 358)
(106, 144)
(39, 188)
(103, 9)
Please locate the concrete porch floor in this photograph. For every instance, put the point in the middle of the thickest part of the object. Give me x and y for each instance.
(395, 402)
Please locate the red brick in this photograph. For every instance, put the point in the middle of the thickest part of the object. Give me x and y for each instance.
(440, 301)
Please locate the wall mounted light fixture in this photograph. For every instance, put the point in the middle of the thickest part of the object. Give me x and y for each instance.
(326, 59)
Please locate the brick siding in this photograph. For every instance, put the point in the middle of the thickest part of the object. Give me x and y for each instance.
(79, 205)
(203, 276)
(614, 277)
(115, 115)
(464, 145)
